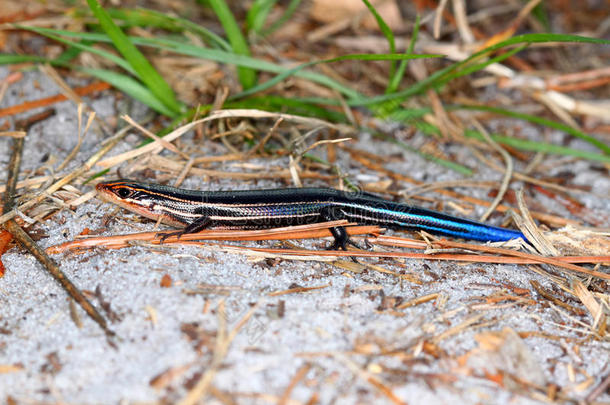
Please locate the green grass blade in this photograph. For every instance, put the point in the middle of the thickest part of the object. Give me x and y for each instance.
(70, 54)
(122, 82)
(247, 61)
(540, 13)
(146, 72)
(143, 17)
(386, 31)
(534, 146)
(84, 47)
(10, 59)
(247, 76)
(216, 55)
(541, 121)
(258, 13)
(408, 114)
(396, 78)
(468, 69)
(437, 77)
(272, 82)
(292, 7)
(130, 87)
(412, 117)
(151, 18)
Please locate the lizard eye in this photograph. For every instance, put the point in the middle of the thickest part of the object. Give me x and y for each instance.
(124, 192)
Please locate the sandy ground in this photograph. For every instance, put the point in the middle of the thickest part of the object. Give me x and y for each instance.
(342, 343)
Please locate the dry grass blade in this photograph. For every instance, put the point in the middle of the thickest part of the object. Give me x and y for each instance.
(175, 134)
(507, 175)
(161, 141)
(595, 308)
(216, 115)
(28, 183)
(247, 113)
(81, 136)
(259, 146)
(531, 231)
(164, 164)
(66, 179)
(599, 390)
(469, 322)
(545, 294)
(7, 81)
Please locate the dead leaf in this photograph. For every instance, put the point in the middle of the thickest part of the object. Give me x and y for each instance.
(331, 11)
(504, 352)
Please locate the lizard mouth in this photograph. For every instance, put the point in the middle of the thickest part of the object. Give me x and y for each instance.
(119, 193)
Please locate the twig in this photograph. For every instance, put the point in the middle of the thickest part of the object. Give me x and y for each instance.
(417, 301)
(223, 343)
(13, 174)
(546, 295)
(259, 146)
(24, 239)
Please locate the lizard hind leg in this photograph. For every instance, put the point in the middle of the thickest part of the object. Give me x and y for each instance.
(342, 239)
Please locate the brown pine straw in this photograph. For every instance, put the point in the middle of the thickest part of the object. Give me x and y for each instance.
(310, 231)
(561, 261)
(298, 290)
(299, 375)
(29, 105)
(508, 256)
